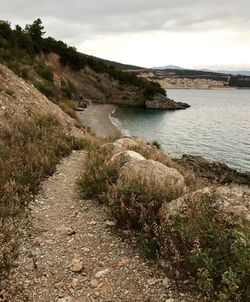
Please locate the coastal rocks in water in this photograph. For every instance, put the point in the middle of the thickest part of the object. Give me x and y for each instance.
(233, 203)
(127, 156)
(150, 171)
(215, 172)
(165, 104)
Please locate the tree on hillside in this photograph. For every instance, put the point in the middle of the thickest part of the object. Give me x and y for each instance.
(5, 29)
(35, 30)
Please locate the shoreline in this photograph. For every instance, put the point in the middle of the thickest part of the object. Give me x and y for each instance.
(97, 118)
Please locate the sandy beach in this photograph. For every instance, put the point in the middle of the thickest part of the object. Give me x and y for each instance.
(96, 117)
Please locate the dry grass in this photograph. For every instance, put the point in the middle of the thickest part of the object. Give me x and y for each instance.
(200, 242)
(69, 107)
(29, 152)
(203, 242)
(99, 173)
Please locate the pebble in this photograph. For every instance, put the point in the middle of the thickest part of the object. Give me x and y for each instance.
(111, 223)
(76, 265)
(165, 282)
(94, 283)
(66, 299)
(100, 274)
(74, 283)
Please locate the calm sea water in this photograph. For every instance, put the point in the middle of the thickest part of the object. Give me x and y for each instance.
(217, 126)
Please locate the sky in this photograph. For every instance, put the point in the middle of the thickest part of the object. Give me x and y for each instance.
(187, 33)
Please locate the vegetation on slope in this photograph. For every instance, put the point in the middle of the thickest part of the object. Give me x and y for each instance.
(20, 47)
(200, 242)
(30, 149)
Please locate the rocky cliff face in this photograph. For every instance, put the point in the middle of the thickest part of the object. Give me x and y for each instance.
(101, 88)
(169, 83)
(19, 99)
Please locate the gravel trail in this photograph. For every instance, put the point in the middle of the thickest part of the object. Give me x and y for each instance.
(73, 252)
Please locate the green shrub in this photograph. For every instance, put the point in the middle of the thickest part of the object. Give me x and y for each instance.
(202, 242)
(99, 173)
(45, 72)
(149, 245)
(45, 88)
(156, 144)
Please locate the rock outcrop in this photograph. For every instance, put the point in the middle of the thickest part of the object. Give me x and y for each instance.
(215, 172)
(165, 104)
(19, 99)
(231, 202)
(101, 88)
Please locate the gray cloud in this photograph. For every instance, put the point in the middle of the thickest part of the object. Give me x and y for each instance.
(76, 20)
(129, 15)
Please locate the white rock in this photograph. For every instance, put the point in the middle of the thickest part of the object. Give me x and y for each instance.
(126, 156)
(66, 299)
(94, 283)
(111, 223)
(76, 265)
(100, 274)
(153, 172)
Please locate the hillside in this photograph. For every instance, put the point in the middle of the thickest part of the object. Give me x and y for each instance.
(21, 101)
(60, 72)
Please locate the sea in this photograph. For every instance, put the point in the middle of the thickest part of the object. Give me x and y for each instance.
(216, 126)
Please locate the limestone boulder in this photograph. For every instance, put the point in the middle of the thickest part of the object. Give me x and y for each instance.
(153, 172)
(233, 202)
(126, 156)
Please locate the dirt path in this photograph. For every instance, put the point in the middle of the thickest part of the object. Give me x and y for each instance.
(72, 252)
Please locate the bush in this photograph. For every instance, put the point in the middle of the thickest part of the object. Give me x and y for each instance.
(45, 88)
(45, 72)
(203, 243)
(136, 204)
(68, 107)
(99, 173)
(156, 144)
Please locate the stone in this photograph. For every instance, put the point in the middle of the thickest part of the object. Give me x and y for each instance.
(214, 172)
(76, 265)
(111, 223)
(153, 281)
(92, 222)
(152, 172)
(65, 299)
(165, 282)
(100, 274)
(123, 262)
(126, 156)
(65, 230)
(74, 283)
(94, 283)
(232, 201)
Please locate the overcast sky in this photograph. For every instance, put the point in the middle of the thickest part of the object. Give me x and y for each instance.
(187, 33)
